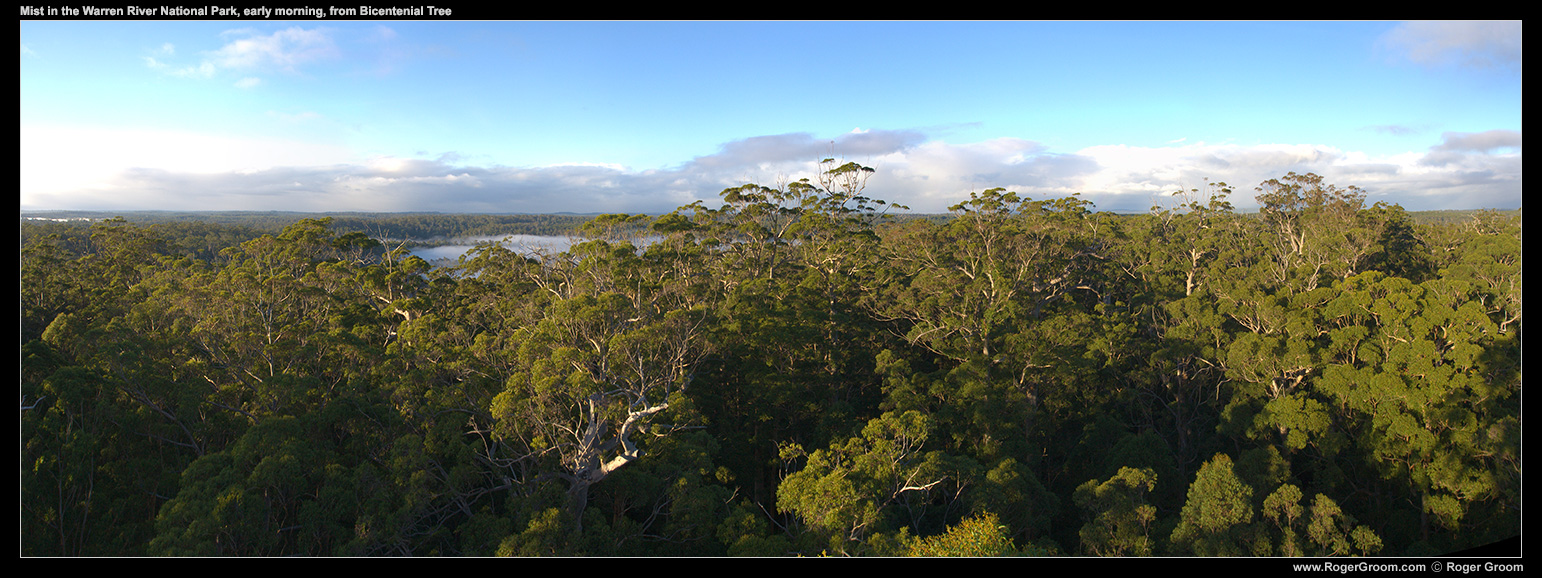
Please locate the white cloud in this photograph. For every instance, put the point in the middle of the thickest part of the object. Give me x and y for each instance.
(284, 51)
(63, 158)
(1480, 142)
(201, 70)
(200, 172)
(1455, 174)
(155, 62)
(1467, 43)
(775, 151)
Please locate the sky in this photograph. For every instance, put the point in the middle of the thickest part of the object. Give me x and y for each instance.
(318, 114)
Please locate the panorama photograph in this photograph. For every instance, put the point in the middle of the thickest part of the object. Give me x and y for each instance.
(422, 281)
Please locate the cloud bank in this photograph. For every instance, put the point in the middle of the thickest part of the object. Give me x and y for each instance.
(1463, 170)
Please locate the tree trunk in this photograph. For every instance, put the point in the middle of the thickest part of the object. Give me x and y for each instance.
(578, 501)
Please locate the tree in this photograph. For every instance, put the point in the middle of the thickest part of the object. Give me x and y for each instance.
(787, 373)
(614, 352)
(1012, 492)
(1217, 518)
(843, 491)
(975, 537)
(1316, 228)
(976, 290)
(1118, 517)
(1327, 532)
(283, 488)
(1428, 396)
(1190, 238)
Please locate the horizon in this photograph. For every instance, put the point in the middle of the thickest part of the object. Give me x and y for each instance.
(480, 117)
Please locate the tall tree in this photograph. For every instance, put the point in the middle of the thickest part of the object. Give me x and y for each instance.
(1217, 518)
(615, 350)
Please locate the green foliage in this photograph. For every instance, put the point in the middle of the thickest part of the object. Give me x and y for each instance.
(1026, 508)
(279, 490)
(547, 535)
(1328, 531)
(747, 533)
(976, 537)
(1216, 519)
(1118, 517)
(841, 491)
(792, 371)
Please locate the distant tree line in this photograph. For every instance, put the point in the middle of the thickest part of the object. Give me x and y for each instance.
(423, 228)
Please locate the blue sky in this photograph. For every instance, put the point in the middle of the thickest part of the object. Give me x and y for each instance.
(492, 116)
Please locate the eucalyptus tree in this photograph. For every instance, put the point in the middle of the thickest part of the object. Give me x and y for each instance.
(283, 326)
(792, 264)
(1006, 293)
(105, 424)
(1317, 229)
(851, 490)
(613, 352)
(1119, 518)
(997, 264)
(1318, 529)
(1217, 518)
(1427, 388)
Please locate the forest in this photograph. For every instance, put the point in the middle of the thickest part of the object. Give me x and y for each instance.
(790, 372)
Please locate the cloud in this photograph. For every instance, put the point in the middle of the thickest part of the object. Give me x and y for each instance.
(762, 149)
(202, 70)
(383, 184)
(802, 147)
(283, 51)
(1467, 43)
(1464, 170)
(1473, 167)
(165, 49)
(66, 158)
(1480, 141)
(1394, 129)
(944, 173)
(1458, 173)
(871, 143)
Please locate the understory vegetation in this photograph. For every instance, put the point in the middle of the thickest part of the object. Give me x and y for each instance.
(787, 373)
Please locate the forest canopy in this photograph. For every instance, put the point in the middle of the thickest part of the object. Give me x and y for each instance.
(792, 371)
